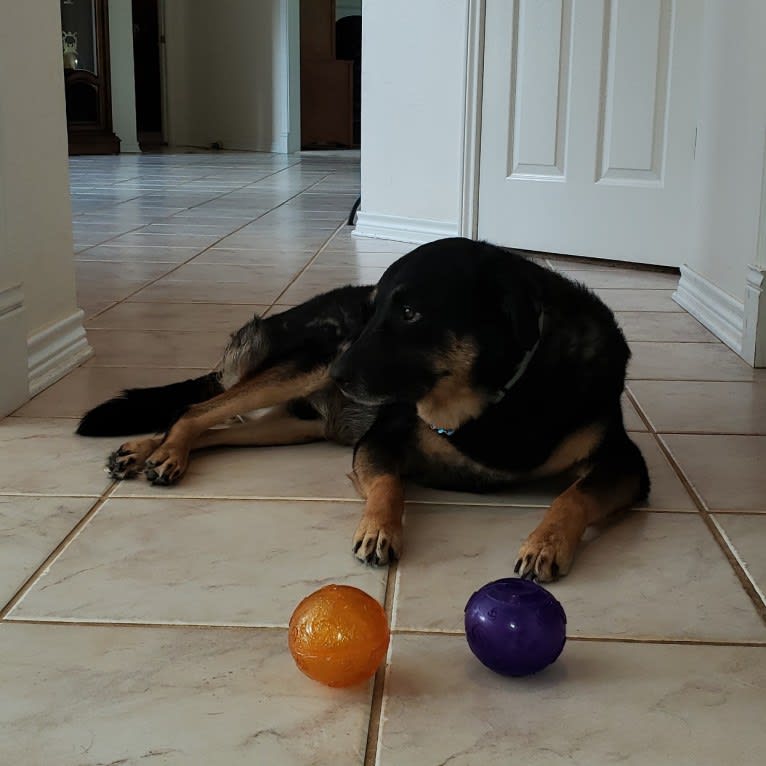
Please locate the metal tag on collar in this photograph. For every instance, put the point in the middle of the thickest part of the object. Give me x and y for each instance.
(442, 431)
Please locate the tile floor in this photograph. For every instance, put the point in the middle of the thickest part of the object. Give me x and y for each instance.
(143, 625)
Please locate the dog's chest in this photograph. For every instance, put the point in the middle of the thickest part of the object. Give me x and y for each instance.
(438, 462)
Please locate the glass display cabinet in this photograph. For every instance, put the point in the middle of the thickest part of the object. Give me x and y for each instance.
(85, 55)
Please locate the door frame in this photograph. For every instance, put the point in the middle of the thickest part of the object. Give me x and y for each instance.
(468, 223)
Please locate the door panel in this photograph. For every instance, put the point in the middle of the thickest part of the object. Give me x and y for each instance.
(588, 126)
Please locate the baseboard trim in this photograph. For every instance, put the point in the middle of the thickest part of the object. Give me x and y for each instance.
(754, 332)
(13, 333)
(11, 299)
(401, 229)
(56, 350)
(722, 314)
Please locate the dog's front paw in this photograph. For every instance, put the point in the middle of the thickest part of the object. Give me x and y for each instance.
(377, 543)
(546, 555)
(166, 465)
(128, 460)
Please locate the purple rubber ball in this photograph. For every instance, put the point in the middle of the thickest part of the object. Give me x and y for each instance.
(515, 627)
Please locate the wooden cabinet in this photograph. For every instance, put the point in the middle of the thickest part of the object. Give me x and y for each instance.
(327, 84)
(85, 53)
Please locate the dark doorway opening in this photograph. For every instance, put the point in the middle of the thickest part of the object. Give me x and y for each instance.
(331, 74)
(148, 72)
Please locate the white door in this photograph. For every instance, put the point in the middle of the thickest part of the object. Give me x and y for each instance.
(588, 126)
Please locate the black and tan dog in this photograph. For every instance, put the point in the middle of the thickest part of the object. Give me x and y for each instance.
(468, 367)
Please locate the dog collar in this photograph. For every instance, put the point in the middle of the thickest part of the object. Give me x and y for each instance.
(442, 431)
(520, 370)
(523, 364)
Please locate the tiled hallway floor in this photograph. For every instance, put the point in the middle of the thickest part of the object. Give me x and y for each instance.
(147, 625)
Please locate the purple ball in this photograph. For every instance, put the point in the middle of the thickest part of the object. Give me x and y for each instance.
(515, 627)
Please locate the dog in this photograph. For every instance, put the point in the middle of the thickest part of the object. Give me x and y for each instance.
(468, 367)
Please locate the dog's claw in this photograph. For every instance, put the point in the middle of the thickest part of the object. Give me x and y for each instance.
(375, 544)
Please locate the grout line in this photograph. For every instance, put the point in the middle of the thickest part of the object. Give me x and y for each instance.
(753, 593)
(602, 638)
(740, 560)
(379, 685)
(652, 640)
(56, 552)
(59, 622)
(311, 260)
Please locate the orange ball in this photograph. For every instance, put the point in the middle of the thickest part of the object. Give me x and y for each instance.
(338, 635)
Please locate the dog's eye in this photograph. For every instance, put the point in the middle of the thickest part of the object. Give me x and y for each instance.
(409, 314)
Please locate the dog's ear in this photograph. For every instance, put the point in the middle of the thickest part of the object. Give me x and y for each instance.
(520, 304)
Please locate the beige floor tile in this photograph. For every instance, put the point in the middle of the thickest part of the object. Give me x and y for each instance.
(291, 260)
(309, 471)
(99, 273)
(155, 348)
(619, 299)
(689, 406)
(631, 279)
(224, 562)
(178, 317)
(727, 471)
(663, 326)
(648, 575)
(92, 304)
(88, 696)
(688, 361)
(229, 283)
(314, 281)
(631, 417)
(747, 536)
(350, 257)
(143, 238)
(235, 273)
(168, 291)
(45, 457)
(636, 705)
(30, 528)
(169, 253)
(92, 297)
(86, 387)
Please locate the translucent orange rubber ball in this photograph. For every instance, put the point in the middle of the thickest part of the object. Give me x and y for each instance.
(338, 635)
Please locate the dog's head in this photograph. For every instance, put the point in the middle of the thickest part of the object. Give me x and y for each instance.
(451, 322)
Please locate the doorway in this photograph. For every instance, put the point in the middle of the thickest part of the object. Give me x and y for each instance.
(147, 62)
(331, 73)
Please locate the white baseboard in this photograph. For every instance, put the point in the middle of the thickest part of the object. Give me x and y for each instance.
(416, 230)
(754, 333)
(56, 350)
(722, 314)
(13, 332)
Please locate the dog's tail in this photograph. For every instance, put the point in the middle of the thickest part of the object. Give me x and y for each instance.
(148, 410)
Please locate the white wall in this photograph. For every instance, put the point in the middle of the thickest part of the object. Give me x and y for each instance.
(33, 166)
(123, 74)
(730, 143)
(723, 283)
(413, 91)
(229, 74)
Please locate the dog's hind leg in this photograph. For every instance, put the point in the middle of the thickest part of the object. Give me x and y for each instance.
(274, 386)
(617, 478)
(276, 427)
